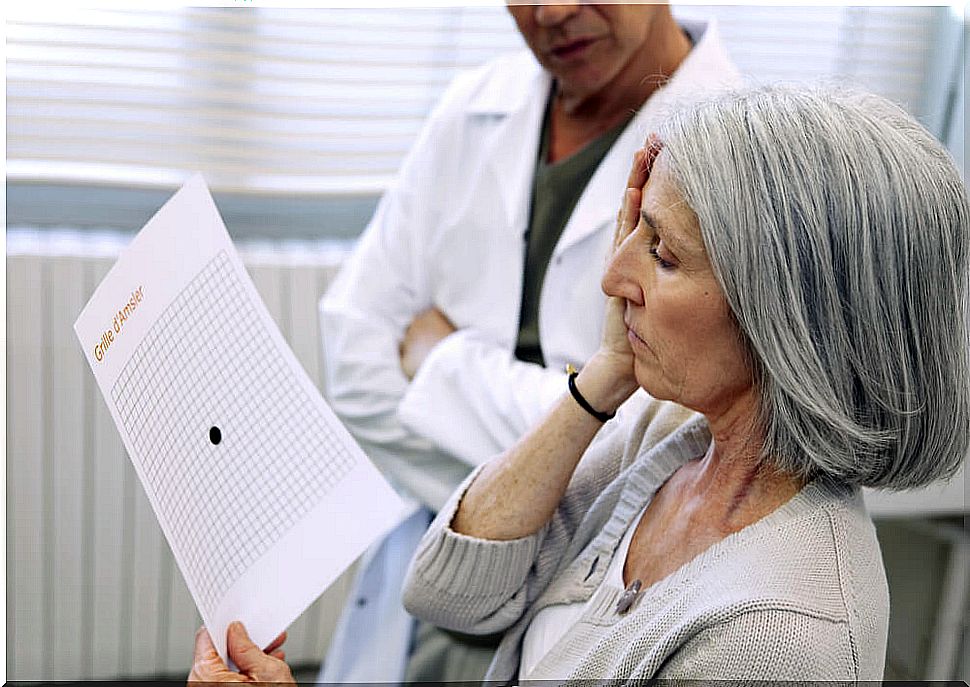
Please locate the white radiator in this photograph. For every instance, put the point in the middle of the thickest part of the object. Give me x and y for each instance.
(92, 588)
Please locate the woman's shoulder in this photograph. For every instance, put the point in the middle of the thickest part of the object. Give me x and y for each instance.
(818, 550)
(815, 560)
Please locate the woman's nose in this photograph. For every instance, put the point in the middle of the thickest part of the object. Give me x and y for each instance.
(619, 278)
(553, 14)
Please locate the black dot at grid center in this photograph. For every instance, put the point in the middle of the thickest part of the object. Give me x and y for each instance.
(215, 435)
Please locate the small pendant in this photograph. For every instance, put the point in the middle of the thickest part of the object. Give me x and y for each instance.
(628, 597)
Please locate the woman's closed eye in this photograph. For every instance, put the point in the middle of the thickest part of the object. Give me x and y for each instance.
(658, 249)
(660, 259)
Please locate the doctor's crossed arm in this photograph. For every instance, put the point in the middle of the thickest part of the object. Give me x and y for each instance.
(426, 330)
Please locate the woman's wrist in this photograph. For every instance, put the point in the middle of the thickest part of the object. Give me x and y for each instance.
(606, 381)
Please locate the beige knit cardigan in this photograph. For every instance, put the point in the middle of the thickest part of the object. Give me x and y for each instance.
(799, 595)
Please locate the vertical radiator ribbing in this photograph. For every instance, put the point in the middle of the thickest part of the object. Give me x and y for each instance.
(92, 588)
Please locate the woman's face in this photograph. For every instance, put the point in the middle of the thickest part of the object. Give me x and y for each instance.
(685, 344)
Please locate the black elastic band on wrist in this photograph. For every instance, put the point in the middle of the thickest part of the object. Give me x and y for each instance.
(583, 403)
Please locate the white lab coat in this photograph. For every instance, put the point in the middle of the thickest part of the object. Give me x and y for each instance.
(450, 234)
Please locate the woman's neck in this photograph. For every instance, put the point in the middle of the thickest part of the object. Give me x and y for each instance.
(732, 484)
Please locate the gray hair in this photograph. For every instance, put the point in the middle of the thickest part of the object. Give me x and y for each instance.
(838, 229)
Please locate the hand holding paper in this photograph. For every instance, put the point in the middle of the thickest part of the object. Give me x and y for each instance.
(262, 495)
(256, 665)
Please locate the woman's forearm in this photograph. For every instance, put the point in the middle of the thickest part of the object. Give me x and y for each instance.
(518, 492)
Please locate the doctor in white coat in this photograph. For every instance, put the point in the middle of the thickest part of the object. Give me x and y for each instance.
(421, 327)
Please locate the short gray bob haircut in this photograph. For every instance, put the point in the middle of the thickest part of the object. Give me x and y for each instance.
(838, 229)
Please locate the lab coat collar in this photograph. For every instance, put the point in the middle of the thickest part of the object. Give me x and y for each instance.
(505, 96)
(707, 68)
(517, 100)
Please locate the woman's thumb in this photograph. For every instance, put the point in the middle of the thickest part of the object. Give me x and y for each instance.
(246, 655)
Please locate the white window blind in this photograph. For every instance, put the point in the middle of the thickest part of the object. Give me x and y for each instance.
(307, 101)
(258, 99)
(884, 49)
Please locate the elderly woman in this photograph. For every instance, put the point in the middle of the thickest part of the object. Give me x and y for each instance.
(789, 285)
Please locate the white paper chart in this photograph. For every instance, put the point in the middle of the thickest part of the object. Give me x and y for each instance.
(262, 494)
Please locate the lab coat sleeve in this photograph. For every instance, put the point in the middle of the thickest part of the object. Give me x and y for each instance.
(473, 399)
(363, 316)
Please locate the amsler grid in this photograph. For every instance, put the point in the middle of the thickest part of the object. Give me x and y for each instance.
(229, 439)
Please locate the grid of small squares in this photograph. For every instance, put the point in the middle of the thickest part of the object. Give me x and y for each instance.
(209, 361)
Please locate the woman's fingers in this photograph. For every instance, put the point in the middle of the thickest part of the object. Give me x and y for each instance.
(251, 660)
(639, 170)
(254, 664)
(628, 217)
(203, 642)
(643, 160)
(652, 150)
(276, 643)
(629, 213)
(207, 666)
(242, 650)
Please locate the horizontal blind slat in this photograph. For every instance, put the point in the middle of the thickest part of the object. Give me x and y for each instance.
(264, 97)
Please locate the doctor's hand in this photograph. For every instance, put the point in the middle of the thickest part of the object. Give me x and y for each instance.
(422, 335)
(254, 665)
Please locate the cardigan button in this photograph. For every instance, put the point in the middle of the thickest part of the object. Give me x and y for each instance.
(628, 597)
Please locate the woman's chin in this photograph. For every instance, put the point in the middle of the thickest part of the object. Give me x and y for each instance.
(650, 380)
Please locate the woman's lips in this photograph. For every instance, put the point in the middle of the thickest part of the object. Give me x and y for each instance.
(636, 340)
(573, 49)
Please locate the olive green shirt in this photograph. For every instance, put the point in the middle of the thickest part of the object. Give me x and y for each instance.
(556, 188)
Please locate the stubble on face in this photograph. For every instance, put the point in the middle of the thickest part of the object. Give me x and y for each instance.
(587, 48)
